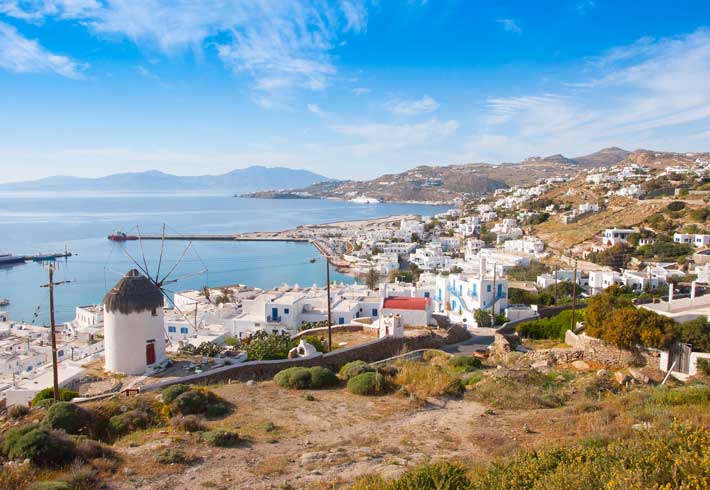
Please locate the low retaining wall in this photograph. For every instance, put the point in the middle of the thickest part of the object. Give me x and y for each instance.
(550, 311)
(351, 327)
(375, 350)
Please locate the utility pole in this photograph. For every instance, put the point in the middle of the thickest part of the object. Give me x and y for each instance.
(556, 284)
(493, 307)
(327, 280)
(52, 327)
(573, 325)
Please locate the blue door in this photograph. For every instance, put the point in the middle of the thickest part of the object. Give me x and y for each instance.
(341, 321)
(274, 313)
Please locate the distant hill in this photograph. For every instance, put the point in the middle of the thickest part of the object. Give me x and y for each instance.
(251, 179)
(603, 158)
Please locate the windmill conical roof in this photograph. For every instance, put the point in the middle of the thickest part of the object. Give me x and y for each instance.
(133, 293)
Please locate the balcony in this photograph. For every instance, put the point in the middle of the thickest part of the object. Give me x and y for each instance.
(273, 319)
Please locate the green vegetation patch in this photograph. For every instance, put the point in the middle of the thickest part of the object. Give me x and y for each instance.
(368, 384)
(301, 378)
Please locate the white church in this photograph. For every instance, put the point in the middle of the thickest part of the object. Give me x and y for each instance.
(134, 335)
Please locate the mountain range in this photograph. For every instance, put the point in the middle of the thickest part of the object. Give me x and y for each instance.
(251, 179)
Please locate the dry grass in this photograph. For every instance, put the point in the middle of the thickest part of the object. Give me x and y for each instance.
(424, 380)
(272, 466)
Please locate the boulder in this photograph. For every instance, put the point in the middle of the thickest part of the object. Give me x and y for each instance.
(602, 373)
(543, 365)
(639, 376)
(621, 378)
(580, 365)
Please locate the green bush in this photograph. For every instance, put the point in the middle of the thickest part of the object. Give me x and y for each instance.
(188, 423)
(686, 395)
(675, 206)
(70, 418)
(367, 384)
(322, 377)
(296, 378)
(191, 402)
(354, 368)
(17, 411)
(88, 449)
(436, 476)
(129, 421)
(315, 342)
(65, 395)
(216, 410)
(171, 455)
(262, 346)
(51, 485)
(464, 363)
(549, 328)
(170, 393)
(221, 438)
(704, 366)
(43, 447)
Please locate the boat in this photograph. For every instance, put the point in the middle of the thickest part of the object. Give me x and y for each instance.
(312, 261)
(119, 236)
(6, 259)
(4, 302)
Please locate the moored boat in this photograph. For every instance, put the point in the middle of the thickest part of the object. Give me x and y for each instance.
(6, 258)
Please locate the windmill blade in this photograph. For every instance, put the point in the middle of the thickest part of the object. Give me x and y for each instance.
(179, 261)
(183, 314)
(123, 249)
(162, 248)
(140, 241)
(186, 276)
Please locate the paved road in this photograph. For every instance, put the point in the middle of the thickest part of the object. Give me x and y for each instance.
(478, 341)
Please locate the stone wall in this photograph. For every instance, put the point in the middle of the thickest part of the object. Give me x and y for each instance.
(351, 327)
(375, 350)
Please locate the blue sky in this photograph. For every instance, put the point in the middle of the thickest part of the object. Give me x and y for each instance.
(349, 89)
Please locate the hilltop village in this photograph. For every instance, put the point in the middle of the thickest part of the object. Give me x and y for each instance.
(570, 291)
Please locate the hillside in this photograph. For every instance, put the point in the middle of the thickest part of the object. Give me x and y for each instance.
(250, 179)
(603, 158)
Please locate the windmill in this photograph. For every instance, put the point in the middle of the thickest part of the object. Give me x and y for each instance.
(161, 279)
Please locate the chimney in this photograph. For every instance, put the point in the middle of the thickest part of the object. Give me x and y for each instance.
(482, 267)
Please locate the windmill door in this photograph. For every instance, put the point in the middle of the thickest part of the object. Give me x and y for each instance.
(680, 355)
(150, 353)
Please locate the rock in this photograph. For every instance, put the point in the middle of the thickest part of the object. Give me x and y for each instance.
(542, 365)
(621, 378)
(580, 365)
(639, 376)
(602, 373)
(309, 458)
(251, 382)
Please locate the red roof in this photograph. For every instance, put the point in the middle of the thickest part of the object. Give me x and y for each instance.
(404, 303)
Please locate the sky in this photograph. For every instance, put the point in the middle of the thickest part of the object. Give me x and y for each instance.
(346, 88)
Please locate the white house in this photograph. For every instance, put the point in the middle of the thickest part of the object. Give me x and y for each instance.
(134, 335)
(698, 240)
(413, 311)
(562, 275)
(410, 226)
(529, 245)
(600, 280)
(612, 236)
(507, 230)
(430, 257)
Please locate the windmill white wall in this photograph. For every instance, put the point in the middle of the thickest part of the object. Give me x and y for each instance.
(127, 339)
(134, 335)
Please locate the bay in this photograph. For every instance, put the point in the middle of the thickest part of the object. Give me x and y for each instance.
(49, 222)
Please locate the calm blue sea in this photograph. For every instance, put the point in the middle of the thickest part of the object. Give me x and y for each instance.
(49, 222)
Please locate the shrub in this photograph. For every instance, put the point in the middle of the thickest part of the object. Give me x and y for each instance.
(218, 409)
(171, 455)
(315, 342)
(549, 328)
(188, 423)
(685, 395)
(675, 206)
(354, 368)
(43, 447)
(424, 380)
(65, 395)
(52, 485)
(368, 384)
(70, 418)
(129, 421)
(297, 378)
(191, 402)
(170, 393)
(84, 479)
(262, 346)
(322, 377)
(436, 476)
(704, 366)
(88, 449)
(465, 364)
(472, 379)
(12, 435)
(221, 438)
(17, 411)
(17, 477)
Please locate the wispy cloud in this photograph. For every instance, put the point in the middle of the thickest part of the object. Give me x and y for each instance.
(361, 91)
(382, 138)
(281, 45)
(650, 93)
(415, 107)
(585, 6)
(22, 55)
(510, 25)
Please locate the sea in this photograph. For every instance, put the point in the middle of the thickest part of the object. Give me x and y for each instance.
(43, 223)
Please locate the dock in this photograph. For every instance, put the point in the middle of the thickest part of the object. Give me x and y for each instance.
(240, 237)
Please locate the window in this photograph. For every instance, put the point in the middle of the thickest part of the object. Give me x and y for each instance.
(341, 321)
(286, 310)
(426, 294)
(374, 312)
(60, 353)
(488, 288)
(183, 330)
(172, 329)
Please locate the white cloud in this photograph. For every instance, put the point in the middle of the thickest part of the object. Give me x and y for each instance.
(281, 45)
(510, 25)
(22, 55)
(652, 93)
(585, 6)
(315, 109)
(361, 91)
(416, 107)
(382, 138)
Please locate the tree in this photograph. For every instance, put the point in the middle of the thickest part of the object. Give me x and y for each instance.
(371, 278)
(483, 318)
(206, 293)
(600, 308)
(695, 332)
(617, 256)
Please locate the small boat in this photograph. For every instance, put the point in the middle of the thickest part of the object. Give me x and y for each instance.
(312, 261)
(6, 258)
(119, 236)
(4, 302)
